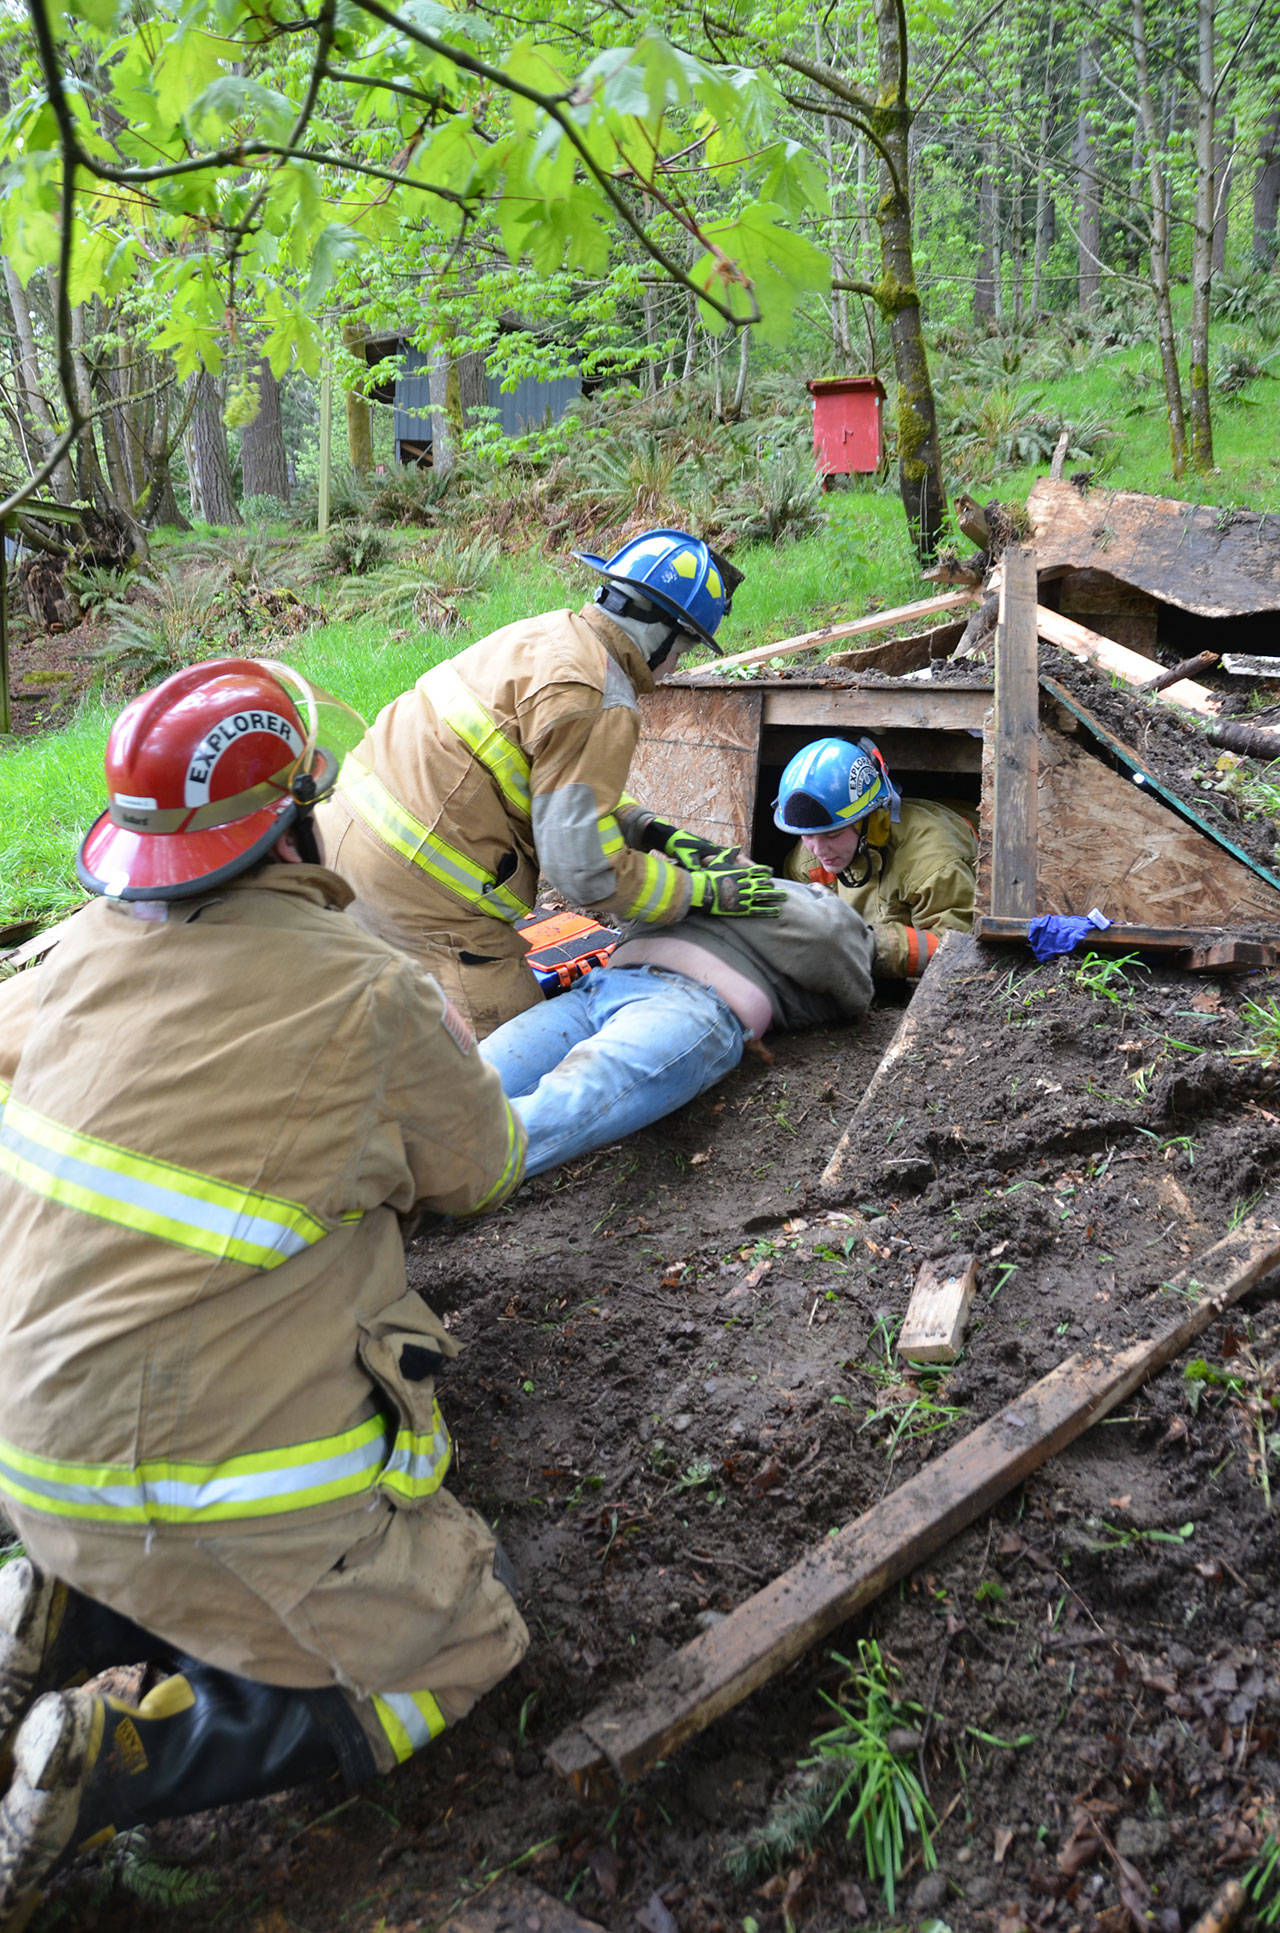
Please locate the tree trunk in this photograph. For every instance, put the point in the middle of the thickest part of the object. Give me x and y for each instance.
(359, 412)
(1089, 200)
(1202, 241)
(840, 342)
(737, 402)
(444, 442)
(919, 454)
(264, 467)
(1266, 190)
(984, 286)
(1224, 169)
(27, 370)
(212, 494)
(1158, 241)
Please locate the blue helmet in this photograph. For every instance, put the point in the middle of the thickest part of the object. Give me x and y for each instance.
(832, 784)
(678, 573)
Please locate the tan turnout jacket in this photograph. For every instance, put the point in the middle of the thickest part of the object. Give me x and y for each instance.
(505, 761)
(917, 885)
(214, 1382)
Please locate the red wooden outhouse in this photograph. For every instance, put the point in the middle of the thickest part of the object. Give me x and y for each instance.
(846, 424)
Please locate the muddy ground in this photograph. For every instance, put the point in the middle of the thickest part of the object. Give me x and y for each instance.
(678, 1376)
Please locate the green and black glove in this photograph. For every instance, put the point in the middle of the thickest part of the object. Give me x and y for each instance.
(737, 892)
(687, 850)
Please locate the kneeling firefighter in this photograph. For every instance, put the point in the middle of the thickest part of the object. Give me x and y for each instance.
(511, 760)
(219, 1436)
(907, 865)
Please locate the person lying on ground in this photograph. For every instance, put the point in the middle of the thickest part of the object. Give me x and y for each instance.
(512, 758)
(219, 1437)
(669, 1016)
(907, 865)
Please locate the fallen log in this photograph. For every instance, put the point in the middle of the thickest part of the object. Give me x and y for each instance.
(646, 1721)
(1250, 740)
(1082, 643)
(855, 628)
(1189, 668)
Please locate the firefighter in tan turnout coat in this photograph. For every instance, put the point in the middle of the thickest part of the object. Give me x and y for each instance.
(511, 759)
(219, 1435)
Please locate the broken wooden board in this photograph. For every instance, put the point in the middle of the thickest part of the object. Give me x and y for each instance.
(934, 1325)
(897, 657)
(1107, 842)
(646, 1721)
(1215, 562)
(1150, 783)
(43, 942)
(514, 1906)
(855, 628)
(696, 760)
(1137, 671)
(1014, 792)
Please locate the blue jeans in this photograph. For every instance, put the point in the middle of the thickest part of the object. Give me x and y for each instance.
(622, 1047)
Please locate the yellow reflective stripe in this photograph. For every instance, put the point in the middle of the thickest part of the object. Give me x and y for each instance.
(153, 1197)
(512, 1167)
(397, 827)
(419, 1461)
(505, 763)
(611, 839)
(410, 1720)
(259, 1484)
(658, 891)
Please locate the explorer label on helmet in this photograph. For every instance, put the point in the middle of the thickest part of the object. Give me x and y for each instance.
(203, 775)
(833, 784)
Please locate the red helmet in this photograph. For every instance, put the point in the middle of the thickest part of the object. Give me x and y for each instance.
(204, 773)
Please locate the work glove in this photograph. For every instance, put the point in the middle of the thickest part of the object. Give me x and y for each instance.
(737, 892)
(687, 850)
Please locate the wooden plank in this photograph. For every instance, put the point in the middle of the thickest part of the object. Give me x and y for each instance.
(1239, 665)
(928, 708)
(514, 1906)
(1151, 783)
(1135, 670)
(697, 758)
(1233, 956)
(1016, 740)
(898, 656)
(1122, 936)
(1215, 562)
(911, 755)
(857, 627)
(647, 1721)
(934, 1325)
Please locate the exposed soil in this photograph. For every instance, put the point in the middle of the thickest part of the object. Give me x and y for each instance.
(677, 1378)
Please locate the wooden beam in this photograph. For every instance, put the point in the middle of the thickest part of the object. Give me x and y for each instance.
(855, 628)
(642, 1723)
(1017, 740)
(44, 941)
(936, 708)
(1090, 648)
(933, 1327)
(1202, 943)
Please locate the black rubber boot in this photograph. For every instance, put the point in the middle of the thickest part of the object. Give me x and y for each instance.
(85, 1767)
(52, 1636)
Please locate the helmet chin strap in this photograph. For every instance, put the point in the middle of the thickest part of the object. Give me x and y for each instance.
(652, 632)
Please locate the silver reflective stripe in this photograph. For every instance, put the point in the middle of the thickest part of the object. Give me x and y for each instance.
(569, 835)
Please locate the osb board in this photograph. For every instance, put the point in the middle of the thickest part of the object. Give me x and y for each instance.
(696, 760)
(1104, 842)
(1118, 611)
(1215, 563)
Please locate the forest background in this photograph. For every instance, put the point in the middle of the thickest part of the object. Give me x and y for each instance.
(1025, 220)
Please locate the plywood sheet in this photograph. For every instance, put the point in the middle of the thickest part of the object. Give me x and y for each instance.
(1104, 842)
(697, 759)
(1214, 562)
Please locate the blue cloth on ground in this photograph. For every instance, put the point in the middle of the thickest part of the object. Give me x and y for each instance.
(620, 1049)
(1055, 933)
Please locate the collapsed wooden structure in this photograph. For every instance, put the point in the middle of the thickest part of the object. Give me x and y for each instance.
(1071, 817)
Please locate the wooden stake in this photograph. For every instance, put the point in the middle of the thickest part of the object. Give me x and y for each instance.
(933, 1327)
(1016, 754)
(1136, 670)
(1189, 668)
(855, 628)
(644, 1722)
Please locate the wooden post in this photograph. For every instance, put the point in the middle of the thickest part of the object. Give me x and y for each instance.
(641, 1723)
(1017, 741)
